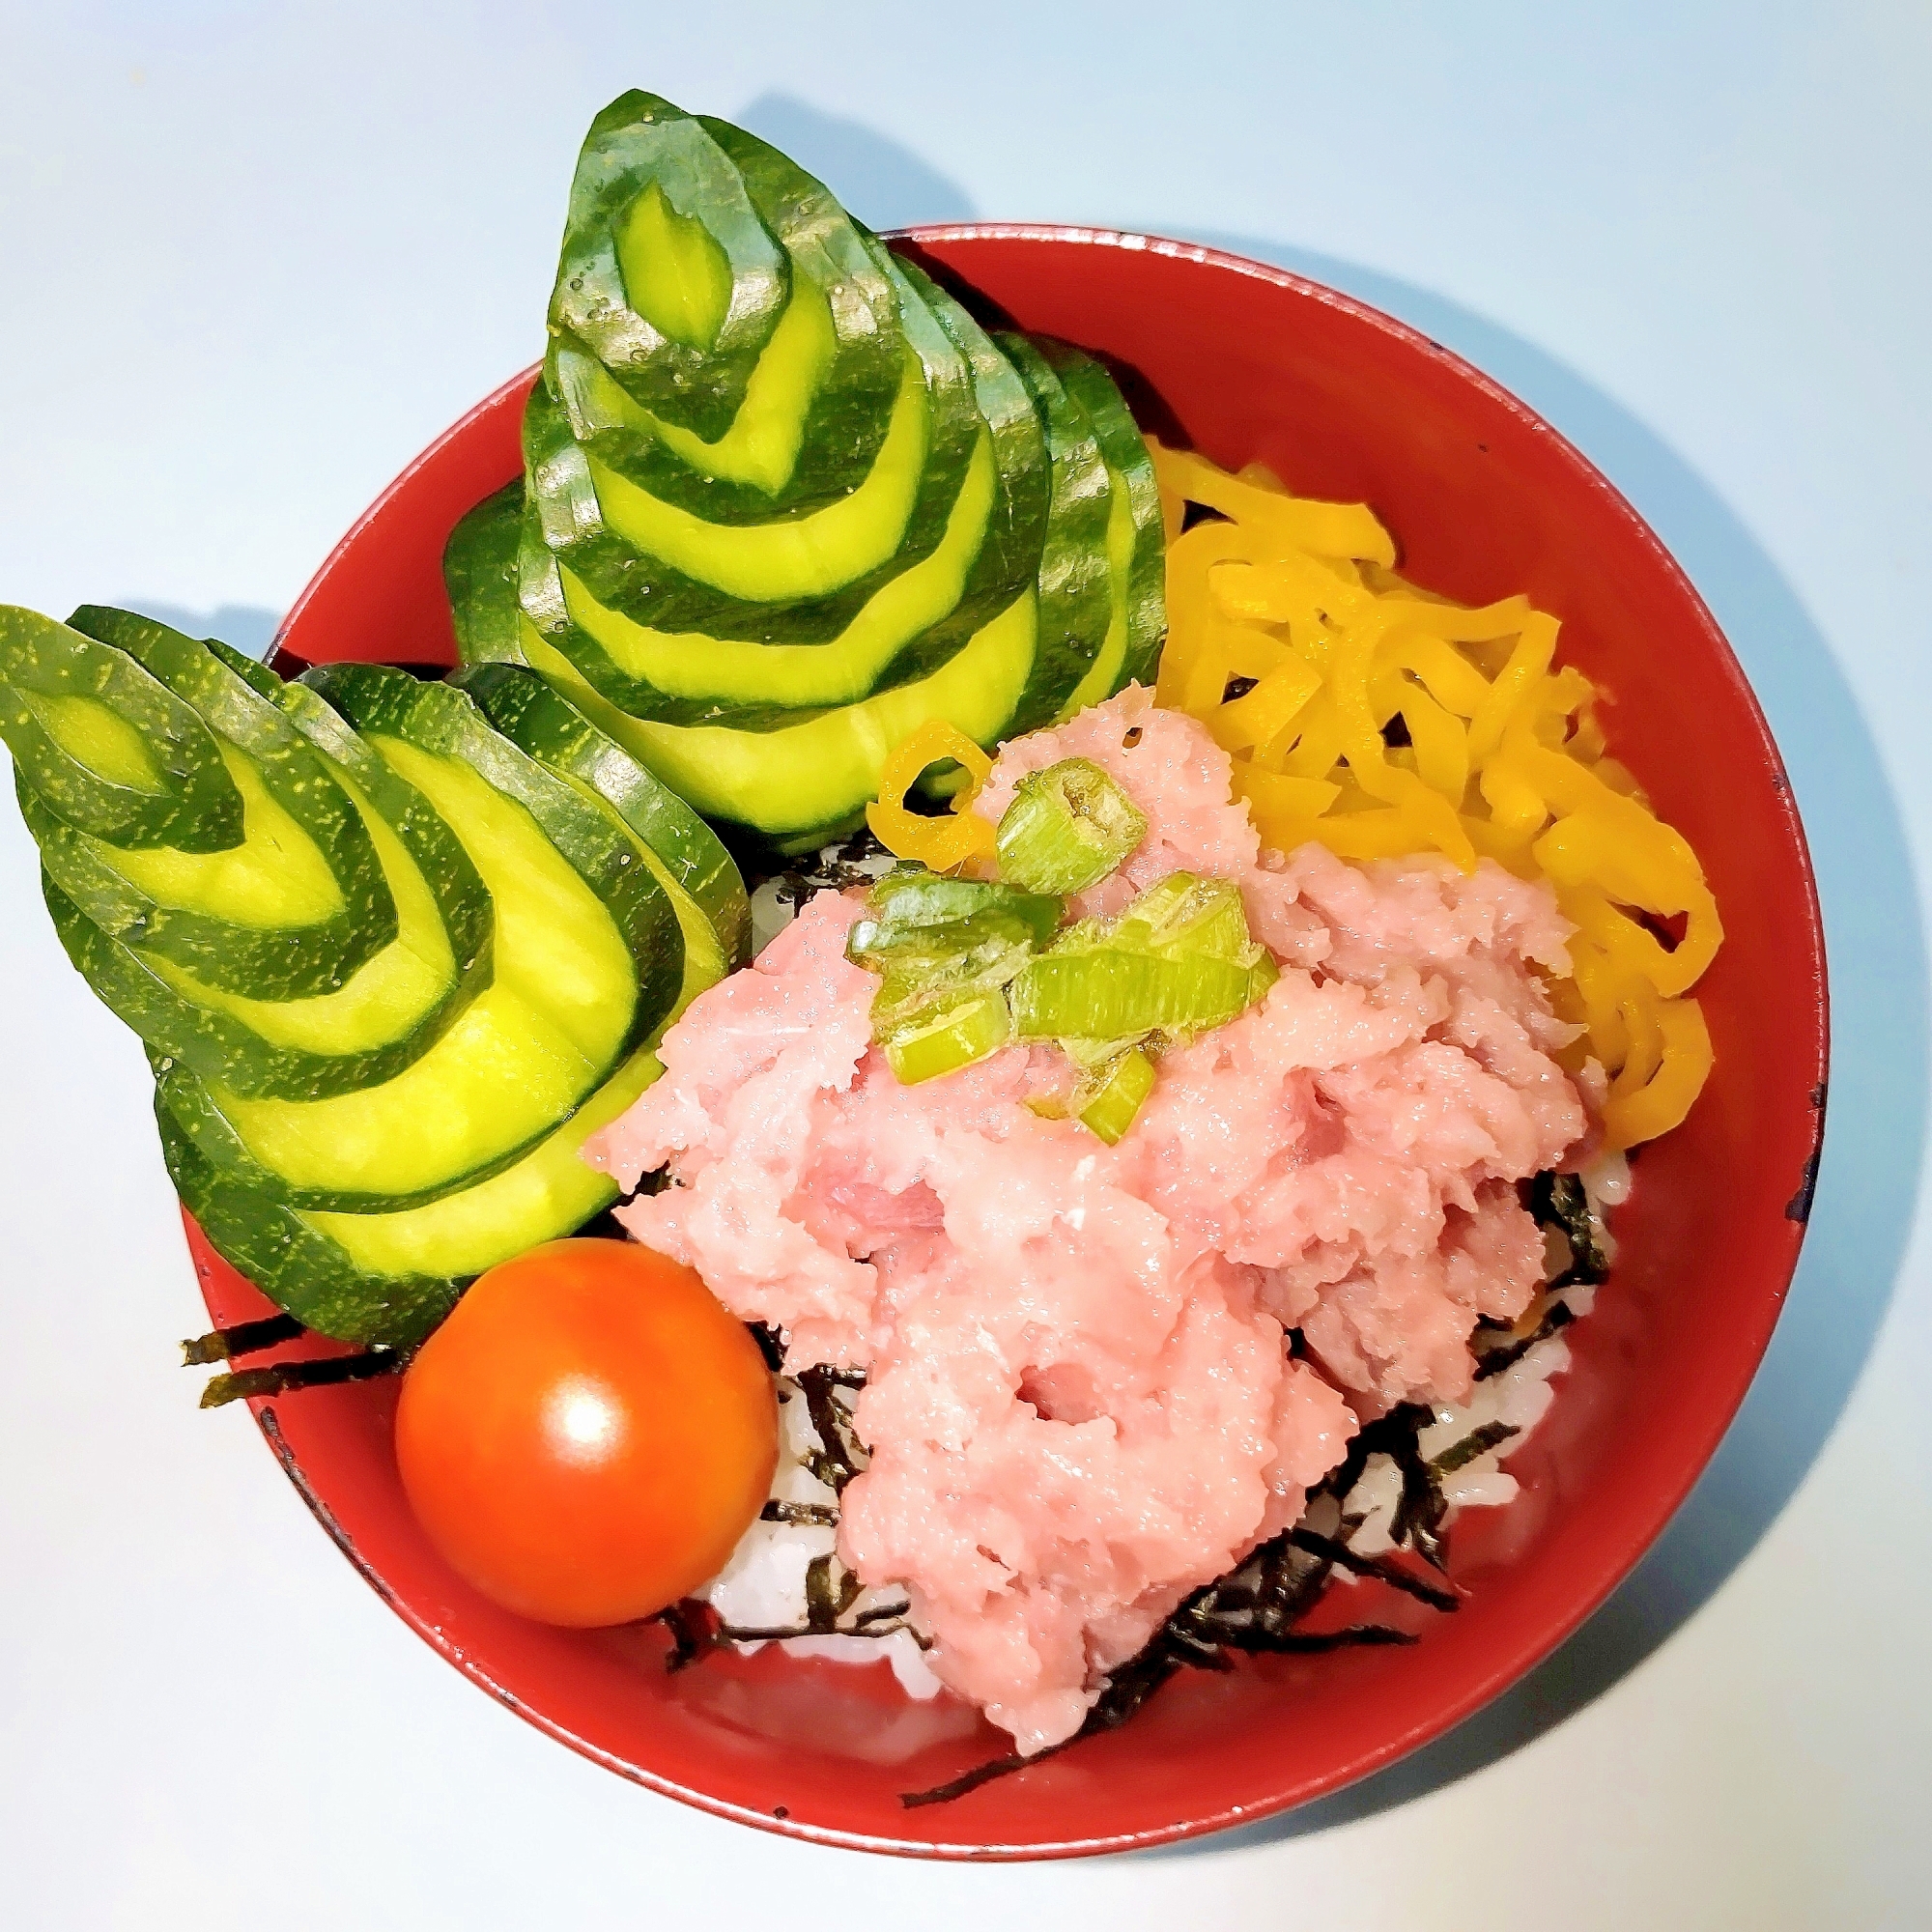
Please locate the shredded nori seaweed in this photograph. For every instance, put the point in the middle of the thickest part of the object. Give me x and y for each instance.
(1478, 1443)
(283, 1376)
(821, 1514)
(1384, 1569)
(693, 1630)
(1494, 1361)
(245, 1338)
(833, 1462)
(1560, 1200)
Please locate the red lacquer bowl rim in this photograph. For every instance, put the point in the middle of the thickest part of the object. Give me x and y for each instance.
(1743, 1346)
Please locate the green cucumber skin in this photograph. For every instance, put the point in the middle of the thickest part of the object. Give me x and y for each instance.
(1017, 532)
(218, 1046)
(439, 718)
(540, 593)
(221, 1048)
(199, 809)
(638, 140)
(1075, 601)
(846, 420)
(480, 571)
(294, 1266)
(962, 390)
(1008, 553)
(541, 721)
(1125, 450)
(269, 963)
(557, 477)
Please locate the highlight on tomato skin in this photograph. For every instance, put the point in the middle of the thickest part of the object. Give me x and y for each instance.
(589, 1432)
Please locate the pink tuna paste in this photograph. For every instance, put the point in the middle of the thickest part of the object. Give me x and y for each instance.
(1080, 1400)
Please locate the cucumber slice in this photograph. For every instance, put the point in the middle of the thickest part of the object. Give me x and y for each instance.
(588, 957)
(111, 749)
(816, 405)
(1136, 543)
(385, 1016)
(800, 787)
(292, 910)
(1074, 605)
(688, 855)
(667, 275)
(392, 1277)
(480, 571)
(874, 526)
(919, 619)
(701, 680)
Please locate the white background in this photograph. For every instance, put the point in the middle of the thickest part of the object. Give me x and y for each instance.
(252, 258)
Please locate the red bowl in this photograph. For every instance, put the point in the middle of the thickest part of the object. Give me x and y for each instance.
(1246, 362)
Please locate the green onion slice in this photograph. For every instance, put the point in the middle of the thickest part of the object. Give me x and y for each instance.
(1067, 827)
(1179, 960)
(1113, 995)
(909, 895)
(1111, 1110)
(945, 1035)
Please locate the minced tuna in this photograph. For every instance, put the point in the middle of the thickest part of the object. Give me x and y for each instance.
(1080, 1396)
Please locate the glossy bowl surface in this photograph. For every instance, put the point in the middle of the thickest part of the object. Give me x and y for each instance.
(1244, 362)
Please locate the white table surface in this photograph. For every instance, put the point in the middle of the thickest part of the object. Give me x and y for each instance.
(253, 257)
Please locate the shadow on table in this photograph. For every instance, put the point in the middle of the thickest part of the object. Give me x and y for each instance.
(1868, 1178)
(884, 185)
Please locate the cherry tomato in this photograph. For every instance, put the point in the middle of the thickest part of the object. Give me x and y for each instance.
(588, 1435)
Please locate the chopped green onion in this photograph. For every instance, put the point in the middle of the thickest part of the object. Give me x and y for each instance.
(1179, 960)
(909, 895)
(961, 949)
(1187, 914)
(1113, 995)
(1111, 1112)
(947, 1034)
(1067, 827)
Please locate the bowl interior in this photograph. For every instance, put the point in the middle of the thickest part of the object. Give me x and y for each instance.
(1485, 499)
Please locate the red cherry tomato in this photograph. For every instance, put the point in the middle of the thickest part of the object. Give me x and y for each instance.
(588, 1434)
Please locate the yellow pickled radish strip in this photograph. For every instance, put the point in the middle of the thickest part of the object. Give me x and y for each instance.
(1448, 677)
(1535, 646)
(1328, 529)
(1258, 717)
(1441, 745)
(1269, 793)
(1684, 1066)
(1505, 755)
(945, 843)
(1196, 550)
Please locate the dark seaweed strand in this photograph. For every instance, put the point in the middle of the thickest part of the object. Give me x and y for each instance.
(1130, 1687)
(284, 1376)
(771, 1345)
(833, 867)
(1378, 1567)
(832, 1463)
(1560, 1200)
(1478, 1443)
(867, 1624)
(823, 1515)
(1495, 1360)
(693, 1630)
(1421, 1506)
(826, 1602)
(243, 1338)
